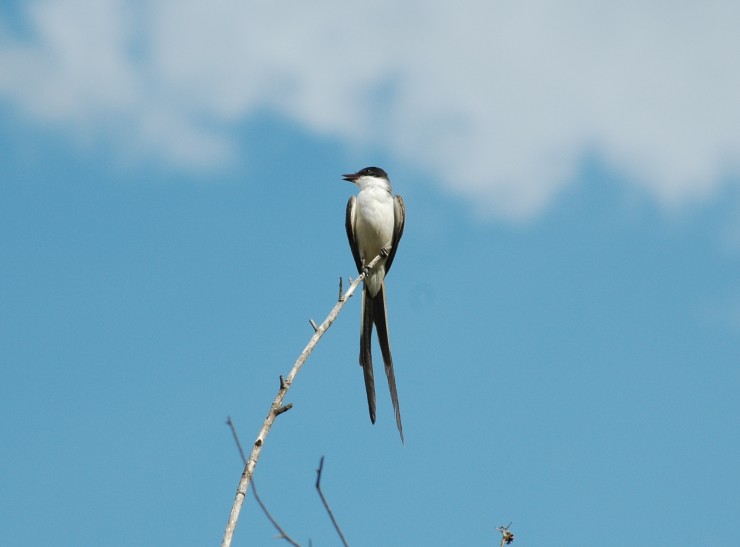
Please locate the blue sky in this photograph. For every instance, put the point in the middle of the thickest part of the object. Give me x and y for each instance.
(564, 306)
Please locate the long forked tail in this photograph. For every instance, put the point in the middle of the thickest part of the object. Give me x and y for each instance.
(366, 358)
(381, 325)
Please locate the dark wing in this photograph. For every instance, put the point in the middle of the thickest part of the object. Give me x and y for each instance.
(399, 210)
(349, 224)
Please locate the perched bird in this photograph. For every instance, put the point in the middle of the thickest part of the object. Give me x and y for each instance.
(374, 222)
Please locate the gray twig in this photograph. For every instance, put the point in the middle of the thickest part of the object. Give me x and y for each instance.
(236, 438)
(326, 505)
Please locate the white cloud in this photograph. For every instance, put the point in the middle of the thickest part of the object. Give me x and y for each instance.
(499, 100)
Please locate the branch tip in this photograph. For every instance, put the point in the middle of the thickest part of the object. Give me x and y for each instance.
(318, 472)
(236, 438)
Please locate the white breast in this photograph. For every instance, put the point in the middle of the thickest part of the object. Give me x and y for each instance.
(374, 224)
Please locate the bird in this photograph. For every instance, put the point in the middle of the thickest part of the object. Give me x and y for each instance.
(374, 221)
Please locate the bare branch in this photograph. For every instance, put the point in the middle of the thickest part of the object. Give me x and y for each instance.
(326, 505)
(254, 456)
(313, 324)
(277, 526)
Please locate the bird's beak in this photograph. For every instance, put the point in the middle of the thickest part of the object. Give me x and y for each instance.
(351, 178)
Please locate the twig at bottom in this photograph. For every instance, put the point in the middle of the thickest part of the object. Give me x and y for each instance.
(326, 505)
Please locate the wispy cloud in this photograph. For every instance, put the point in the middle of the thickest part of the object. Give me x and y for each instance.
(498, 100)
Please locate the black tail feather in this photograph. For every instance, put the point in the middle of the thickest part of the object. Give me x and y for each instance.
(381, 325)
(366, 358)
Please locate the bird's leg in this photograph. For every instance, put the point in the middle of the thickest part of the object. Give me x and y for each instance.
(384, 253)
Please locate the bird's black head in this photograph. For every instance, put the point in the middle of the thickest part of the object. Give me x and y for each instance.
(366, 172)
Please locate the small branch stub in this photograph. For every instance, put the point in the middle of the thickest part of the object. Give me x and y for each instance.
(314, 325)
(284, 408)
